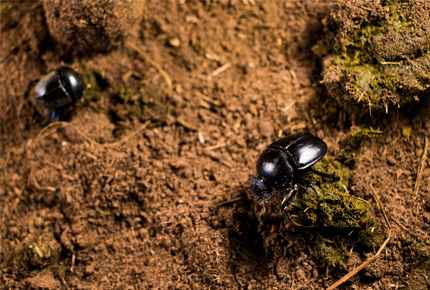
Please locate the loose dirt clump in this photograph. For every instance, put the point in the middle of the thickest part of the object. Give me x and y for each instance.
(92, 25)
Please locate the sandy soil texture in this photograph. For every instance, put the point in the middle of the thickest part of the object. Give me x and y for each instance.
(145, 186)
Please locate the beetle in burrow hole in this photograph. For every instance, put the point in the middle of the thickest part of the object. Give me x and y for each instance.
(59, 89)
(281, 166)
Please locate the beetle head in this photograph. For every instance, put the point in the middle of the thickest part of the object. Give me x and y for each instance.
(275, 170)
(259, 188)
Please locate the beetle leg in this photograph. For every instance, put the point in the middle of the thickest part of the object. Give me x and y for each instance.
(288, 199)
(325, 175)
(308, 184)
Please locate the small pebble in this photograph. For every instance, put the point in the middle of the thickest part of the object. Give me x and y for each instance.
(266, 129)
(38, 222)
(89, 269)
(175, 42)
(391, 160)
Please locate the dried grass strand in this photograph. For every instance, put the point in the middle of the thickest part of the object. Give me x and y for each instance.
(420, 169)
(152, 62)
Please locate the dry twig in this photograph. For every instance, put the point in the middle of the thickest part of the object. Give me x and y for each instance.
(378, 201)
(219, 70)
(36, 184)
(154, 64)
(420, 169)
(186, 125)
(222, 203)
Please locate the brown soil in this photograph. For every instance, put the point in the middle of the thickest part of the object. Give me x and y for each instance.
(169, 208)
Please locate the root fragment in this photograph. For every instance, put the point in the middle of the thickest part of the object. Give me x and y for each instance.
(420, 169)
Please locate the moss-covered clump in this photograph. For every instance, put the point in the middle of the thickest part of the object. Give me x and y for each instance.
(377, 53)
(338, 209)
(36, 252)
(94, 82)
(352, 142)
(341, 222)
(146, 103)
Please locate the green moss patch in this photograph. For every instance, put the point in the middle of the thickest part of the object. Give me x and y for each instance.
(338, 209)
(36, 252)
(94, 82)
(341, 222)
(145, 103)
(352, 142)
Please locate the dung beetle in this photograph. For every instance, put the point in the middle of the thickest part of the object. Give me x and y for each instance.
(280, 167)
(60, 87)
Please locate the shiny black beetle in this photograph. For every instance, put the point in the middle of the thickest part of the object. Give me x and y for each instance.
(280, 167)
(60, 88)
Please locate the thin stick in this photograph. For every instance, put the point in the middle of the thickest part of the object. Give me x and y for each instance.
(229, 201)
(289, 262)
(220, 70)
(361, 96)
(37, 186)
(154, 64)
(45, 133)
(362, 266)
(420, 169)
(73, 263)
(374, 257)
(216, 146)
(378, 201)
(141, 128)
(391, 62)
(186, 124)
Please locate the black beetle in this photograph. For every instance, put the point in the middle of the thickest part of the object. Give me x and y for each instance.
(280, 167)
(59, 88)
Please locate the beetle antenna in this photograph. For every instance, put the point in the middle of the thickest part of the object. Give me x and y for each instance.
(308, 184)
